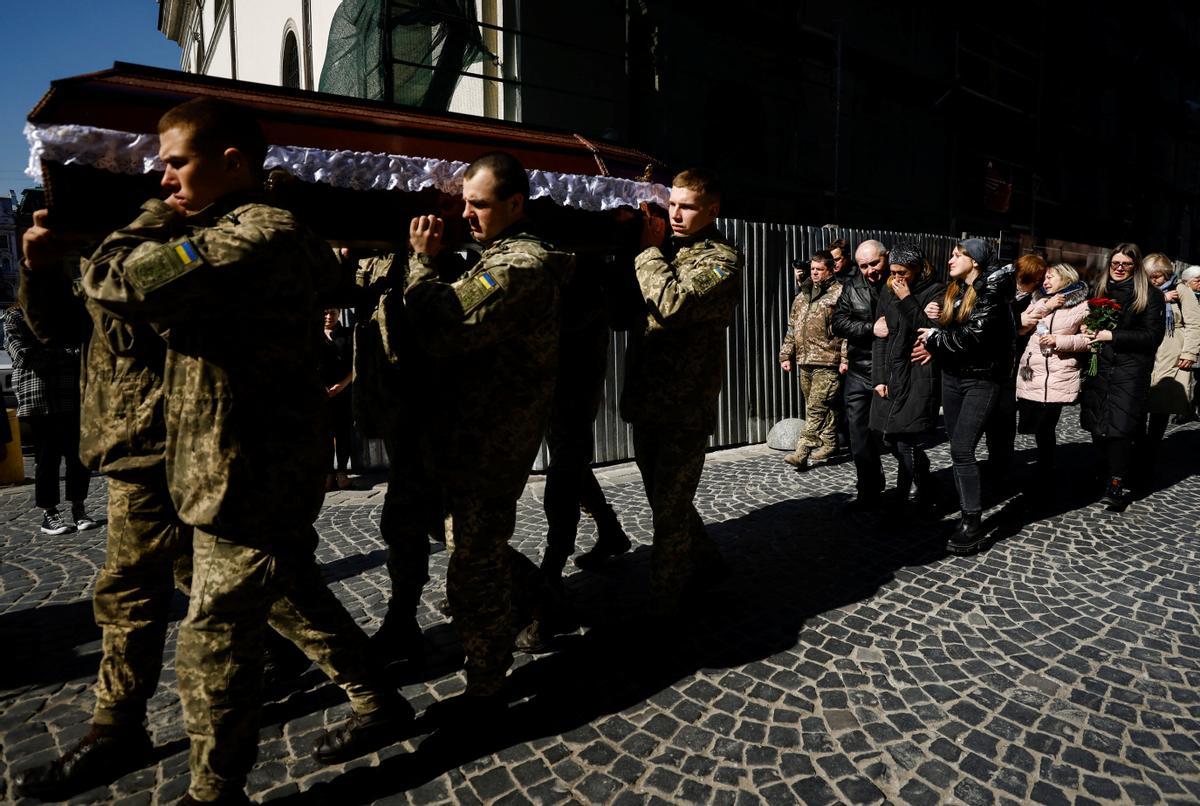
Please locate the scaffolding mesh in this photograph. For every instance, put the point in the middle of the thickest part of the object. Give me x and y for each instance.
(410, 52)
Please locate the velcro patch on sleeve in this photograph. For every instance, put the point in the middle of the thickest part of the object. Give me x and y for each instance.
(708, 277)
(473, 291)
(163, 265)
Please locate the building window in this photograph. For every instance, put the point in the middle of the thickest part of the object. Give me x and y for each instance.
(291, 61)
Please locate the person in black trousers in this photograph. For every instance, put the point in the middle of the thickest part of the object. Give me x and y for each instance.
(337, 372)
(973, 341)
(47, 382)
(854, 320)
(904, 410)
(1113, 402)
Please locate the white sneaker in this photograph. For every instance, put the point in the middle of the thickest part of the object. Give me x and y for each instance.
(53, 523)
(83, 521)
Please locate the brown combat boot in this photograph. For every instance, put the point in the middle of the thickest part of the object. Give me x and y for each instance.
(822, 453)
(798, 458)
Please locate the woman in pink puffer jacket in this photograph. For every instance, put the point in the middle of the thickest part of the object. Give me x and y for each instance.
(1048, 372)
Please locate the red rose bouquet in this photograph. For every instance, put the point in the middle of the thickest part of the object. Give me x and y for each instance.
(1103, 314)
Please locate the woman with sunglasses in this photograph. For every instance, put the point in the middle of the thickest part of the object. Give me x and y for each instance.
(1113, 403)
(974, 343)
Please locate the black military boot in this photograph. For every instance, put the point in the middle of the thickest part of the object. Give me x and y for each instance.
(364, 733)
(101, 757)
(611, 540)
(399, 638)
(969, 537)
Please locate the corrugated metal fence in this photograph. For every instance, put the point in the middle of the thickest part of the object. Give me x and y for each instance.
(756, 394)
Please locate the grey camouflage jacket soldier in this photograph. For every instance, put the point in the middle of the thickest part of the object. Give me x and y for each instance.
(677, 362)
(231, 372)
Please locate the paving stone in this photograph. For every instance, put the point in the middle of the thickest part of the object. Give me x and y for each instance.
(1062, 664)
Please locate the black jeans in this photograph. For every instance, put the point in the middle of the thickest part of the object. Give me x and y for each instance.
(864, 445)
(1041, 420)
(1116, 456)
(56, 439)
(341, 427)
(913, 462)
(967, 404)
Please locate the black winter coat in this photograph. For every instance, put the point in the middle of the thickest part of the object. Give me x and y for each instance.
(913, 389)
(1113, 403)
(854, 319)
(982, 346)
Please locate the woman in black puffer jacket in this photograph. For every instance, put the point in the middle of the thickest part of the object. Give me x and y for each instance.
(1113, 402)
(973, 342)
(904, 409)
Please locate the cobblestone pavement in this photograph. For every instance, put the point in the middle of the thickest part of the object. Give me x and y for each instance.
(846, 660)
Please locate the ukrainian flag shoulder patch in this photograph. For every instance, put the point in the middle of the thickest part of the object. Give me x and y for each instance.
(163, 265)
(473, 291)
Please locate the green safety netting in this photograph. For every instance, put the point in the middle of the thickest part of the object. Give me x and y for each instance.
(410, 52)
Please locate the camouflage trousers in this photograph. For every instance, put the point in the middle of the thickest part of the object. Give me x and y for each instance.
(671, 462)
(819, 385)
(236, 588)
(480, 584)
(133, 593)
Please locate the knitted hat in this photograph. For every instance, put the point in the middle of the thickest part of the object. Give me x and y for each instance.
(979, 250)
(907, 254)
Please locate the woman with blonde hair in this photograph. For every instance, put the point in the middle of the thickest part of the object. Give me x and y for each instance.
(973, 341)
(1113, 402)
(1171, 378)
(1048, 372)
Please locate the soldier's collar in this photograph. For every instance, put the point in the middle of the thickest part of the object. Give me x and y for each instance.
(709, 233)
(521, 229)
(224, 205)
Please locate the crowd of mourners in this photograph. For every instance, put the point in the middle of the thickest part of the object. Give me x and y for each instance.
(220, 411)
(887, 344)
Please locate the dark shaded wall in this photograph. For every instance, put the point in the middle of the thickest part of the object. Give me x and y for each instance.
(879, 114)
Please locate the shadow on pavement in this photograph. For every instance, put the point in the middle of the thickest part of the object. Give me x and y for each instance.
(791, 561)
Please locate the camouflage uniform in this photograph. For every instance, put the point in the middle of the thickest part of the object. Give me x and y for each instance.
(495, 334)
(811, 346)
(673, 377)
(233, 289)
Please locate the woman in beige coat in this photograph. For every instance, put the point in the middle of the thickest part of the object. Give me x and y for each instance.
(1171, 382)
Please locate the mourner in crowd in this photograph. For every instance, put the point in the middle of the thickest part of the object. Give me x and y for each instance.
(1171, 382)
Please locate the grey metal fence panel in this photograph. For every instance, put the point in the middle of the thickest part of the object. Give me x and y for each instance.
(756, 394)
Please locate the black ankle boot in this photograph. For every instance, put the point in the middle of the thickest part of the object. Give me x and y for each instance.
(1116, 497)
(969, 537)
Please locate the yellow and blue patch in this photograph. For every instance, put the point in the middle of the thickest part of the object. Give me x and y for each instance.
(473, 291)
(162, 265)
(186, 252)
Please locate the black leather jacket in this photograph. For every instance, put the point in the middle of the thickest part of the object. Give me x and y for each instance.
(854, 321)
(982, 346)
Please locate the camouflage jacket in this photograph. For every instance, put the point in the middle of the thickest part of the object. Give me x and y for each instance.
(121, 426)
(234, 290)
(809, 341)
(494, 337)
(676, 361)
(390, 370)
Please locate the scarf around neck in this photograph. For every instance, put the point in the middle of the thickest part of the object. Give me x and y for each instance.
(1169, 285)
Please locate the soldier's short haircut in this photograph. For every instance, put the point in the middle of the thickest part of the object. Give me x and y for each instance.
(216, 125)
(508, 171)
(701, 180)
(825, 257)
